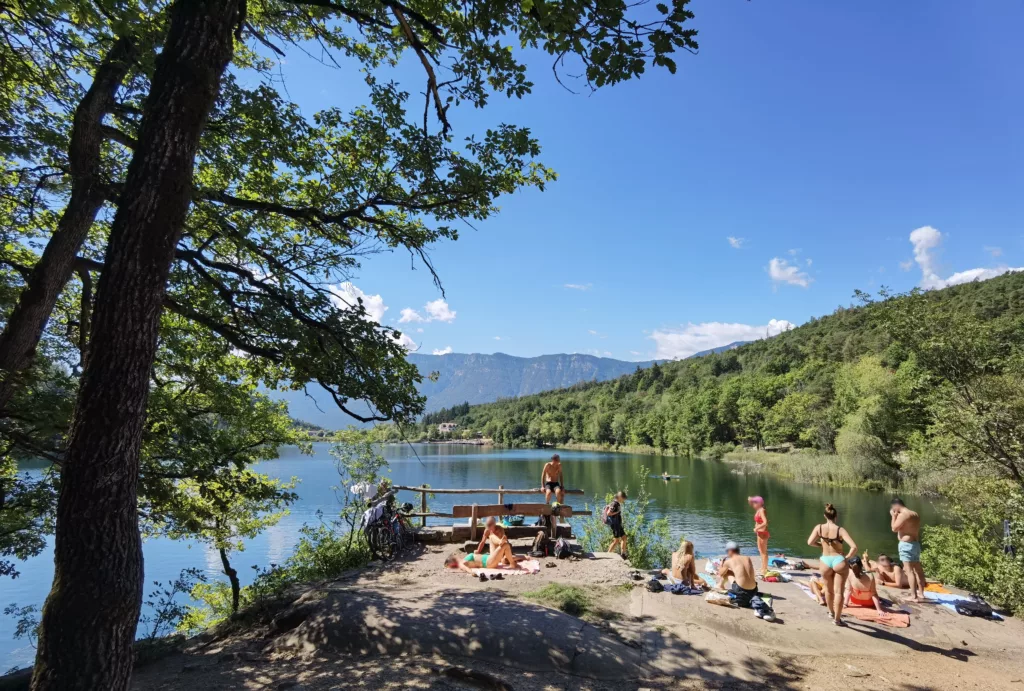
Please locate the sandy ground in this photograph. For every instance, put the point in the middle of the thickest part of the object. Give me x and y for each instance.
(415, 625)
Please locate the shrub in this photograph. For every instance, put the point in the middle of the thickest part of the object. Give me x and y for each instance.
(973, 554)
(649, 542)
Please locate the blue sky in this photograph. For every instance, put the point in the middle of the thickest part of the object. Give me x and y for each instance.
(818, 135)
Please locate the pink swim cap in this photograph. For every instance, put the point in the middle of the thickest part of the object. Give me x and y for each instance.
(756, 500)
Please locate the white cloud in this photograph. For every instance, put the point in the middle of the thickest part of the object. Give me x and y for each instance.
(443, 351)
(439, 311)
(436, 310)
(635, 352)
(736, 243)
(926, 240)
(809, 262)
(497, 338)
(794, 252)
(347, 296)
(692, 338)
(419, 330)
(410, 315)
(406, 342)
(907, 265)
(994, 251)
(781, 271)
(578, 286)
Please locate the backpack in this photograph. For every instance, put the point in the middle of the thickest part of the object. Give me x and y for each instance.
(974, 608)
(606, 517)
(655, 586)
(541, 546)
(562, 549)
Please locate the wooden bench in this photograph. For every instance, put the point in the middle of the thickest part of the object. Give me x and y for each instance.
(475, 512)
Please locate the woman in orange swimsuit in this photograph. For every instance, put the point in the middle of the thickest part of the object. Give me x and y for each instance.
(860, 588)
(760, 530)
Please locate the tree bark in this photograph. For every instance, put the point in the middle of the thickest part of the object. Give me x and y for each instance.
(49, 276)
(90, 616)
(232, 574)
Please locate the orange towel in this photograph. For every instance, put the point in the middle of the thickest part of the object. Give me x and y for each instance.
(937, 588)
(897, 620)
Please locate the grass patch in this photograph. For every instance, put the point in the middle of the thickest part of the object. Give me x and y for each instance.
(567, 598)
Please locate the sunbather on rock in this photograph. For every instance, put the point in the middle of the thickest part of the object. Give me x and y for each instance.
(684, 568)
(740, 570)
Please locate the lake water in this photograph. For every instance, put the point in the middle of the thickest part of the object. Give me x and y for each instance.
(708, 505)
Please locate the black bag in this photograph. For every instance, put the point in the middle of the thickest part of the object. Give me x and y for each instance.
(655, 586)
(562, 549)
(974, 608)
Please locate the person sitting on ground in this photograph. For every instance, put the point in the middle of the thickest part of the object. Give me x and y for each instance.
(886, 572)
(551, 480)
(817, 586)
(476, 560)
(494, 534)
(907, 526)
(860, 588)
(684, 566)
(615, 523)
(834, 569)
(740, 569)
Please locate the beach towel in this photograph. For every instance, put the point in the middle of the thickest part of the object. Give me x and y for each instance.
(530, 566)
(709, 579)
(949, 601)
(937, 588)
(897, 620)
(807, 590)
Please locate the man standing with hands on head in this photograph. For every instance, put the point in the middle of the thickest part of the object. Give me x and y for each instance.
(907, 526)
(551, 480)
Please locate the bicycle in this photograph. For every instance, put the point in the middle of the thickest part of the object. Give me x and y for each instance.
(389, 534)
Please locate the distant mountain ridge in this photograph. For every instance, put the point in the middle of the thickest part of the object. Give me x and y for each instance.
(481, 378)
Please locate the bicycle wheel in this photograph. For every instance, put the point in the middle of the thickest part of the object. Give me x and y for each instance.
(382, 543)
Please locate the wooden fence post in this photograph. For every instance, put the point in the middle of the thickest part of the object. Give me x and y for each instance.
(423, 507)
(472, 524)
(501, 495)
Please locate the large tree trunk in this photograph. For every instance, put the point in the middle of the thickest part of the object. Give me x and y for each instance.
(28, 319)
(90, 615)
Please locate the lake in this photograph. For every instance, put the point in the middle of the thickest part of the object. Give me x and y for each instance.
(708, 505)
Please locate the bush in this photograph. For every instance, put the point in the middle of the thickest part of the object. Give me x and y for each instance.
(970, 554)
(322, 553)
(649, 542)
(717, 451)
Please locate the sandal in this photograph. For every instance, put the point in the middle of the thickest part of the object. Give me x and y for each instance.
(483, 578)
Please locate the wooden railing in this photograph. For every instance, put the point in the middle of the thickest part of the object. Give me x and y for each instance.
(424, 490)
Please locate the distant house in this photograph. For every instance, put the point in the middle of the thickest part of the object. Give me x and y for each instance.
(447, 427)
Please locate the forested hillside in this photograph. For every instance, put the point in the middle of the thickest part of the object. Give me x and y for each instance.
(813, 386)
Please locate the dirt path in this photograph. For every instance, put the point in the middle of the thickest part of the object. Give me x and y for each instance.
(415, 625)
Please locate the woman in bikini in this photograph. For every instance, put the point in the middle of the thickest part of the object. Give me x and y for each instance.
(760, 530)
(477, 560)
(834, 568)
(861, 590)
(684, 568)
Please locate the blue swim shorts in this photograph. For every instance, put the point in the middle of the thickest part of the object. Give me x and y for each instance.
(910, 551)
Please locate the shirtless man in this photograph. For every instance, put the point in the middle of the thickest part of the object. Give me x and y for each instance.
(551, 480)
(741, 570)
(907, 526)
(887, 573)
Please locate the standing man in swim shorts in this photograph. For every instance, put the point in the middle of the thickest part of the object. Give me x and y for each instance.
(551, 480)
(907, 526)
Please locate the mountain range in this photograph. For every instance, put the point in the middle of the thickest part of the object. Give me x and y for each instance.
(481, 378)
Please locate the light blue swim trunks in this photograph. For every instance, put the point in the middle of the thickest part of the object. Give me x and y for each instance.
(910, 551)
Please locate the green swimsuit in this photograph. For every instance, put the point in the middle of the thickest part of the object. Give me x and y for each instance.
(483, 559)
